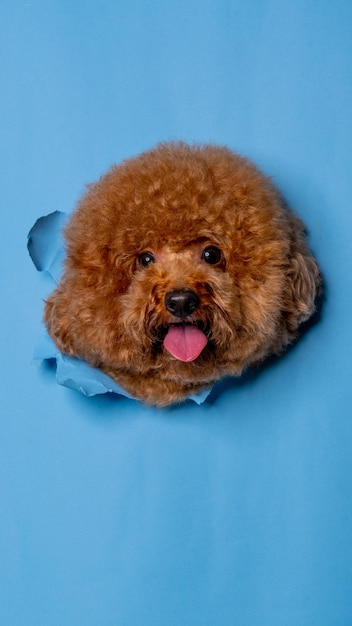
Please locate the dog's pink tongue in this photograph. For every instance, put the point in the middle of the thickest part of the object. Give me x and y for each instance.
(185, 343)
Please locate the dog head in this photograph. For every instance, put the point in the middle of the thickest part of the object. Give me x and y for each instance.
(183, 265)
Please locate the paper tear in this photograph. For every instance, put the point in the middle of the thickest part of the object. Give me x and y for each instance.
(90, 381)
(46, 246)
(46, 249)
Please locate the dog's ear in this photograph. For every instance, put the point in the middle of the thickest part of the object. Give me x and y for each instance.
(57, 321)
(303, 281)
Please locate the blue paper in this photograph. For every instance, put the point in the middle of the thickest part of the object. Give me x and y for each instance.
(46, 249)
(45, 244)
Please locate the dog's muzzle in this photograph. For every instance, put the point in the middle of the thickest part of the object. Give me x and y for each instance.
(184, 340)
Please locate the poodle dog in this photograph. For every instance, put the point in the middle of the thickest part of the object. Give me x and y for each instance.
(183, 266)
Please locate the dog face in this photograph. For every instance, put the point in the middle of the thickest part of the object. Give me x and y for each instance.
(183, 265)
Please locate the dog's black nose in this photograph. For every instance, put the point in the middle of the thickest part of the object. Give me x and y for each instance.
(181, 303)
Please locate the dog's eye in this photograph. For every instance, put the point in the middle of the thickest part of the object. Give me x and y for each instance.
(145, 259)
(212, 255)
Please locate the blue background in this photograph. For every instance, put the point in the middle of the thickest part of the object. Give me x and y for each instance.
(237, 512)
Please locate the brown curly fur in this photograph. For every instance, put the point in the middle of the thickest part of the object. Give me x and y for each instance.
(174, 201)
